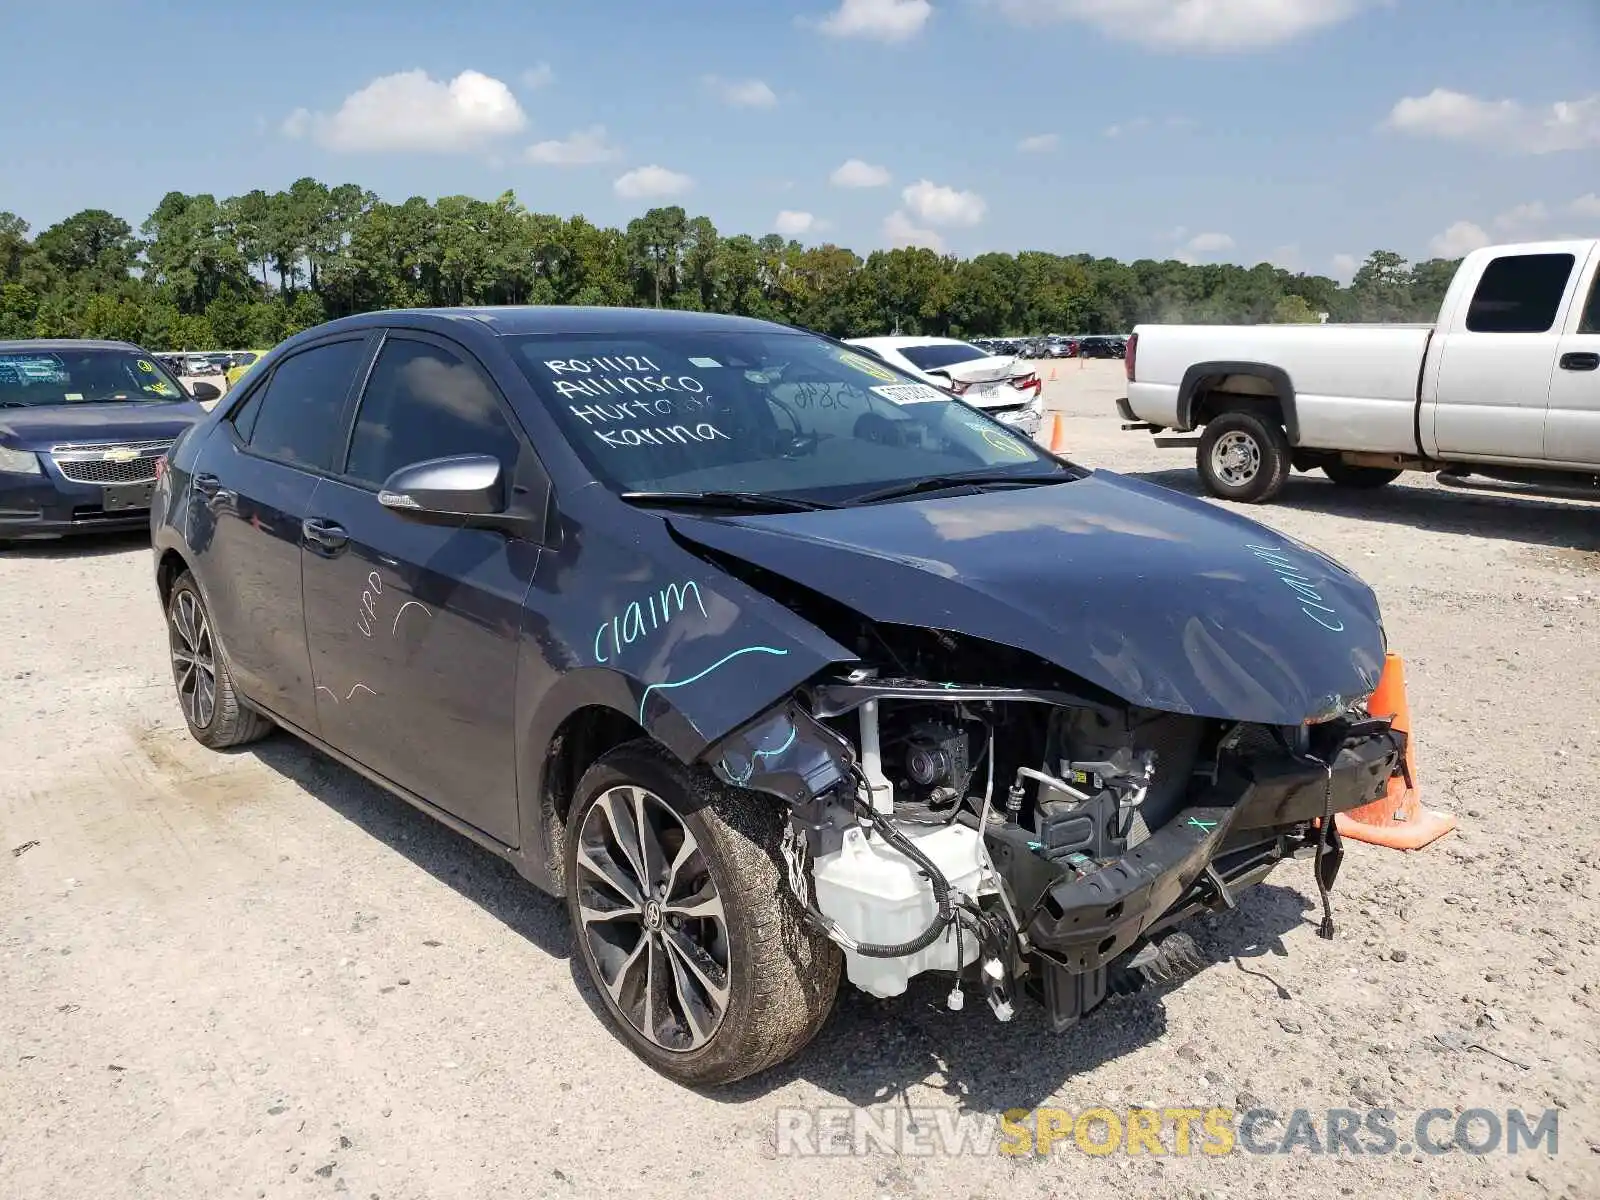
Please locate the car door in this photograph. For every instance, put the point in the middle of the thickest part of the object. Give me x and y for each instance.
(1572, 419)
(412, 628)
(252, 487)
(1498, 356)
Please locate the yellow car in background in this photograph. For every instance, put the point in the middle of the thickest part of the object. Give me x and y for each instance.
(241, 364)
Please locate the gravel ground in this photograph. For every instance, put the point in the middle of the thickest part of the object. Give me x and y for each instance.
(256, 975)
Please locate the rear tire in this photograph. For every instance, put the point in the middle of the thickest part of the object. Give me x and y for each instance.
(212, 709)
(1244, 458)
(1362, 478)
(735, 988)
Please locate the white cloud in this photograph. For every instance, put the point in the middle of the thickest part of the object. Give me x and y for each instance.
(853, 173)
(581, 148)
(1507, 125)
(1586, 206)
(879, 20)
(742, 93)
(1039, 143)
(537, 76)
(940, 205)
(1523, 218)
(1140, 124)
(1131, 126)
(792, 224)
(643, 182)
(413, 111)
(1461, 238)
(900, 230)
(1190, 24)
(1209, 243)
(1345, 266)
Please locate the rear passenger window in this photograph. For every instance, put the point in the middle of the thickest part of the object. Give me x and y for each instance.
(424, 402)
(299, 409)
(1520, 293)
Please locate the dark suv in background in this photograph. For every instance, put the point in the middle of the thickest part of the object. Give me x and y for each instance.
(83, 427)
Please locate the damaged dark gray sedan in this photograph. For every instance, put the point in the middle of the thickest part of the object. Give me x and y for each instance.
(778, 665)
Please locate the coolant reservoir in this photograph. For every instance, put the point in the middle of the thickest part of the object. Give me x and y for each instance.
(878, 895)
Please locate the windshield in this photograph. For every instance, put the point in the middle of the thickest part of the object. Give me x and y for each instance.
(772, 412)
(946, 354)
(94, 376)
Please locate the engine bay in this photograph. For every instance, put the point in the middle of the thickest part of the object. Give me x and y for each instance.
(968, 809)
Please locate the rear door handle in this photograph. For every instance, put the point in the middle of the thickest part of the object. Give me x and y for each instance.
(324, 534)
(1584, 361)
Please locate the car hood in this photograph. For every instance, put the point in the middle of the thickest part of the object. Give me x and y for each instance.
(51, 424)
(1161, 599)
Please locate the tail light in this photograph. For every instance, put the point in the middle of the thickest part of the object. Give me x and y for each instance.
(957, 387)
(1133, 350)
(1029, 383)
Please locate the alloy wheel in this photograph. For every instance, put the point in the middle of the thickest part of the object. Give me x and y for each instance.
(194, 664)
(652, 919)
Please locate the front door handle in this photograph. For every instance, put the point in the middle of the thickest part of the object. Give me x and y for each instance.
(1582, 361)
(325, 535)
(211, 488)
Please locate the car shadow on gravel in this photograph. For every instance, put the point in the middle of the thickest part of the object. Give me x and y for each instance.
(874, 1051)
(79, 545)
(454, 860)
(871, 1051)
(1531, 519)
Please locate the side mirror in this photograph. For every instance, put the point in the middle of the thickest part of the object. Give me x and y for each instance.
(444, 491)
(205, 392)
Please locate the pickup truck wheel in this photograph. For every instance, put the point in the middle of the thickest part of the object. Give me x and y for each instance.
(1244, 458)
(685, 922)
(1345, 475)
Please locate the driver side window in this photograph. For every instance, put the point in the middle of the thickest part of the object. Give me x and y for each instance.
(423, 401)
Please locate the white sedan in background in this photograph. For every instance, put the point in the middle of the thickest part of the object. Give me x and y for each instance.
(999, 384)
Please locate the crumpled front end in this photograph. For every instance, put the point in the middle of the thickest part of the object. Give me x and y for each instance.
(979, 812)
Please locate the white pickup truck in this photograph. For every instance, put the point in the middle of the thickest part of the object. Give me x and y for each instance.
(1506, 384)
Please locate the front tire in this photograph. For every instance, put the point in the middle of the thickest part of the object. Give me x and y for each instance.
(1362, 478)
(1244, 458)
(212, 709)
(684, 920)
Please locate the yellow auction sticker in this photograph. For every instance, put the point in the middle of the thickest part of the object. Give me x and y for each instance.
(867, 367)
(148, 367)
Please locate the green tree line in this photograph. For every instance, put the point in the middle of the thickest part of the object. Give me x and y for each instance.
(249, 270)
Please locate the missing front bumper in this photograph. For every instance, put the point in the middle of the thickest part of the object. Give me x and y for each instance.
(1080, 919)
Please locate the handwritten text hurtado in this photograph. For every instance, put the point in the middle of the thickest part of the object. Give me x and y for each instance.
(630, 376)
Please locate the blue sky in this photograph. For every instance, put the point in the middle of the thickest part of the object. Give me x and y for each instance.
(1299, 131)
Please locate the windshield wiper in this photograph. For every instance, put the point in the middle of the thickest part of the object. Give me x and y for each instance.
(938, 483)
(753, 501)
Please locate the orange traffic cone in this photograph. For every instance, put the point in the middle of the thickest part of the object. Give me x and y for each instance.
(1398, 821)
(1052, 373)
(1058, 436)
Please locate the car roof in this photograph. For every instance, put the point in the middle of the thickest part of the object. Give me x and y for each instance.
(44, 345)
(512, 320)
